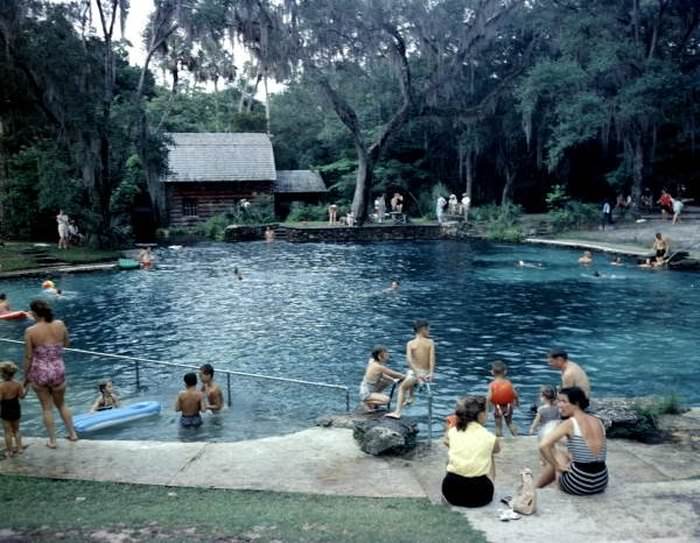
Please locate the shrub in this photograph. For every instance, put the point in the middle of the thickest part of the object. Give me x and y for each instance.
(502, 222)
(300, 211)
(573, 215)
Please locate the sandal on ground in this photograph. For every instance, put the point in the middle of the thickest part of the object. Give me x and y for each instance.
(507, 514)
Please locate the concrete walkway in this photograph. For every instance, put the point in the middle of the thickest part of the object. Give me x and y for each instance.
(654, 494)
(63, 268)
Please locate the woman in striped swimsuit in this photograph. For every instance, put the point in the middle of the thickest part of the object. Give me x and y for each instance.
(584, 472)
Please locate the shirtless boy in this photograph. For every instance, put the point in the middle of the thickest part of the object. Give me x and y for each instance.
(190, 402)
(420, 356)
(214, 398)
(572, 375)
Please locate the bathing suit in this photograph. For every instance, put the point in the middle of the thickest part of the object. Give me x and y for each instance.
(47, 369)
(587, 473)
(10, 409)
(103, 405)
(367, 388)
(191, 421)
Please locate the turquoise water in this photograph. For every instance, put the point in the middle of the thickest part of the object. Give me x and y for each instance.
(313, 311)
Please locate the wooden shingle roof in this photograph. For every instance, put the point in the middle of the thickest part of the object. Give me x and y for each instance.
(307, 181)
(218, 156)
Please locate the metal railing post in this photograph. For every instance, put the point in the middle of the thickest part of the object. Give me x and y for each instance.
(228, 387)
(138, 376)
(430, 416)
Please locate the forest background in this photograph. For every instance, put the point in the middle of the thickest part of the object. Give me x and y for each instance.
(535, 104)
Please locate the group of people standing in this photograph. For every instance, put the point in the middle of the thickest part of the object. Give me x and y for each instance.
(452, 207)
(68, 232)
(578, 467)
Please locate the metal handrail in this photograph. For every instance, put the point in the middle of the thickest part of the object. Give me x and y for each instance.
(228, 373)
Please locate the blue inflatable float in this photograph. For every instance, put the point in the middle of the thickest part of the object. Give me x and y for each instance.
(91, 422)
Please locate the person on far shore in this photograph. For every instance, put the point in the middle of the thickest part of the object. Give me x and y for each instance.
(332, 214)
(190, 402)
(63, 222)
(44, 369)
(607, 216)
(677, 206)
(586, 259)
(666, 203)
(617, 261)
(377, 377)
(583, 472)
(572, 375)
(503, 397)
(420, 356)
(470, 468)
(397, 203)
(213, 396)
(107, 398)
(11, 392)
(440, 209)
(269, 234)
(466, 204)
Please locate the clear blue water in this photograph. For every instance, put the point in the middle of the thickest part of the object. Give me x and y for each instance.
(313, 311)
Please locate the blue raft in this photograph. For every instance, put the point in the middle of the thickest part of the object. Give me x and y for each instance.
(91, 422)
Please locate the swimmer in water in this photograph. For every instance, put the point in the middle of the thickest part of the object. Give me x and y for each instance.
(617, 261)
(237, 273)
(586, 259)
(393, 286)
(49, 287)
(146, 258)
(523, 264)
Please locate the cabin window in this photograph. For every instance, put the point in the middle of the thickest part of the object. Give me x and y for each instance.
(189, 207)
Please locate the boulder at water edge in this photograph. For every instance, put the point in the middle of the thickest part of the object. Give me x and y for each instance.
(386, 436)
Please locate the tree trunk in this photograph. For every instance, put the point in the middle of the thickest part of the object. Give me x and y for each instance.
(637, 170)
(506, 196)
(3, 178)
(267, 104)
(469, 174)
(363, 182)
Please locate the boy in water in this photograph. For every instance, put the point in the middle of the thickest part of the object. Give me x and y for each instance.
(212, 392)
(502, 397)
(190, 402)
(420, 356)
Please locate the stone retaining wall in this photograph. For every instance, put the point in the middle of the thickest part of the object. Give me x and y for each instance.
(366, 233)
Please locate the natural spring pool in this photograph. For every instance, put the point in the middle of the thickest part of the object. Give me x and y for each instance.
(313, 311)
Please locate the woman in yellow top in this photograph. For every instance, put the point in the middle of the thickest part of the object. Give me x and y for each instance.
(470, 470)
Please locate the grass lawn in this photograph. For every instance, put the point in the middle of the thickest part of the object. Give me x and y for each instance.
(19, 255)
(46, 510)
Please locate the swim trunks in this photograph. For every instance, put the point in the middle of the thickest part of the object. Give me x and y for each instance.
(10, 409)
(192, 421)
(502, 392)
(47, 369)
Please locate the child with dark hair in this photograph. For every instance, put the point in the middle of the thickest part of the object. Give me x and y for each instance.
(212, 392)
(190, 402)
(470, 468)
(107, 398)
(502, 397)
(10, 411)
(547, 413)
(377, 377)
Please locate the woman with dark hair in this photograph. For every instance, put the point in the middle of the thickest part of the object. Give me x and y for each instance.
(470, 469)
(44, 369)
(377, 378)
(584, 472)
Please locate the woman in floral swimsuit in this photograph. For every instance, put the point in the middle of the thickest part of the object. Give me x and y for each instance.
(44, 369)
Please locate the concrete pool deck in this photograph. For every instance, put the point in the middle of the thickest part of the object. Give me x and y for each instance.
(654, 494)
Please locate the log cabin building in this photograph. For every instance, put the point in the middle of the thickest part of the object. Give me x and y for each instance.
(209, 173)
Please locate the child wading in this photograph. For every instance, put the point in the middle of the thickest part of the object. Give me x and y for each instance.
(502, 397)
(107, 398)
(190, 402)
(10, 393)
(547, 412)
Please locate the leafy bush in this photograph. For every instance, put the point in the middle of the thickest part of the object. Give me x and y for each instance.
(574, 215)
(665, 405)
(502, 222)
(557, 197)
(260, 211)
(300, 211)
(214, 228)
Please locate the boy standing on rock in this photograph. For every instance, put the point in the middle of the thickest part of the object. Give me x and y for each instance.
(420, 356)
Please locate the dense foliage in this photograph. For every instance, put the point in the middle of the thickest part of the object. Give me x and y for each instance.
(503, 100)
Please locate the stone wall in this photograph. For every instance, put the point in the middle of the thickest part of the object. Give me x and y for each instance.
(365, 233)
(242, 232)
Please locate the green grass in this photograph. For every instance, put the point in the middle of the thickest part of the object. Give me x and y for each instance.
(13, 256)
(41, 508)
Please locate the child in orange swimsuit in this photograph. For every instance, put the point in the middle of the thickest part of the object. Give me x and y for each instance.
(502, 397)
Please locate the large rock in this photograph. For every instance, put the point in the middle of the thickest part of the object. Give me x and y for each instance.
(630, 418)
(386, 436)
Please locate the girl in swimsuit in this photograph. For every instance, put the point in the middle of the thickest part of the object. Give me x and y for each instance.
(107, 398)
(10, 393)
(44, 369)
